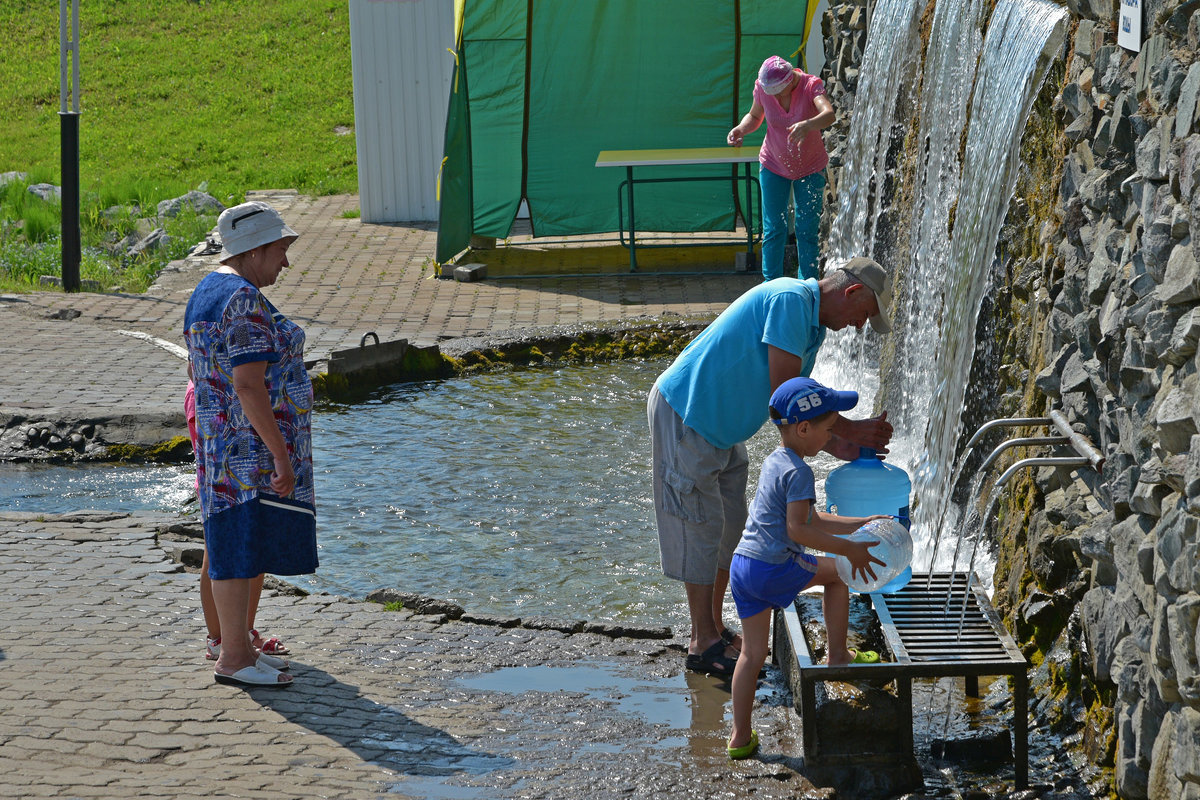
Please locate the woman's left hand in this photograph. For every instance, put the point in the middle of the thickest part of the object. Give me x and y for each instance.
(283, 479)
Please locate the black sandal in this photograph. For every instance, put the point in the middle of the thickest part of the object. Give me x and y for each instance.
(713, 661)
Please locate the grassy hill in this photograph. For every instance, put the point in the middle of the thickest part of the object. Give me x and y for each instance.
(224, 95)
(177, 92)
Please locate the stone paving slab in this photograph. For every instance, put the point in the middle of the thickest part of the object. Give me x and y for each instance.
(106, 694)
(62, 353)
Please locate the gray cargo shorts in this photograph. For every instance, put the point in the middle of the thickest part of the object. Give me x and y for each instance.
(699, 496)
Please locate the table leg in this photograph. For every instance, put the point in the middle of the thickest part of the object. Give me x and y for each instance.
(632, 226)
(1021, 730)
(748, 217)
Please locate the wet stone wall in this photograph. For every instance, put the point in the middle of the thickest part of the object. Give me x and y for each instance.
(1119, 329)
(1096, 312)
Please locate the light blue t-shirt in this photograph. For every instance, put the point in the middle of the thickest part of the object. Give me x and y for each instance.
(720, 384)
(785, 479)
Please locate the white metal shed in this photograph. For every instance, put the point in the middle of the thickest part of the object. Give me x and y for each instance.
(402, 69)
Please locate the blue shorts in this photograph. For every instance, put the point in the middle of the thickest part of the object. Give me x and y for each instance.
(758, 585)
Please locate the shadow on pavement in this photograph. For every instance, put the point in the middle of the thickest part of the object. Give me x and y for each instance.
(378, 733)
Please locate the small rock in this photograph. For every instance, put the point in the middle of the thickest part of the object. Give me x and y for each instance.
(627, 631)
(552, 624)
(46, 191)
(492, 619)
(199, 202)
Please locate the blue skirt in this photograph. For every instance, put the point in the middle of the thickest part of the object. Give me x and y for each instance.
(266, 534)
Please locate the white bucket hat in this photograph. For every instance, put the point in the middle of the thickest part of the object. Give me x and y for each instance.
(250, 225)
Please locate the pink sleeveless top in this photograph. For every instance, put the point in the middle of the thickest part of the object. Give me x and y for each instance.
(790, 161)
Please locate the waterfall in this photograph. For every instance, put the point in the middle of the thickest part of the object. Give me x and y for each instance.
(892, 38)
(955, 41)
(984, 86)
(1022, 39)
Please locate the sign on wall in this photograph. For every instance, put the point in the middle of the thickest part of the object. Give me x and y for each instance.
(1129, 26)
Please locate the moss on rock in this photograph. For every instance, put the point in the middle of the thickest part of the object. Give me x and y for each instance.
(175, 450)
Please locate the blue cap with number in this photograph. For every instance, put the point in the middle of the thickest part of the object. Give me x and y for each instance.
(799, 399)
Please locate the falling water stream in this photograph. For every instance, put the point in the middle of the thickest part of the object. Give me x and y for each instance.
(985, 86)
(1022, 38)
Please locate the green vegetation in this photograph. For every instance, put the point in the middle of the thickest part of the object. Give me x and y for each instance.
(30, 231)
(175, 94)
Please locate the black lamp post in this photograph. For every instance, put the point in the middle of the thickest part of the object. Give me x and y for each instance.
(69, 140)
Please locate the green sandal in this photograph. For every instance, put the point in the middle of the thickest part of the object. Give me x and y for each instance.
(746, 750)
(865, 657)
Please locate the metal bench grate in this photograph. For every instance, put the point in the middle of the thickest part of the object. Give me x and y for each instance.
(930, 634)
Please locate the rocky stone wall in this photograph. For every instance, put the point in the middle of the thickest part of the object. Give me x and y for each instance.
(1096, 311)
(1117, 331)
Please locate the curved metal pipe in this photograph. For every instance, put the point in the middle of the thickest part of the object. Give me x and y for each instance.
(1042, 461)
(1011, 422)
(1028, 440)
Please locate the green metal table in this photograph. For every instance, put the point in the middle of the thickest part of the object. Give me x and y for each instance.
(683, 156)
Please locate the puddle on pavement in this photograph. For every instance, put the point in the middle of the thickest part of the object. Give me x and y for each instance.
(656, 701)
(694, 707)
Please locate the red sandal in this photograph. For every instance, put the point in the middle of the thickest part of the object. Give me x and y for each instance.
(272, 646)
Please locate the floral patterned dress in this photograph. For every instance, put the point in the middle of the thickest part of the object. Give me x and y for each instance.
(247, 529)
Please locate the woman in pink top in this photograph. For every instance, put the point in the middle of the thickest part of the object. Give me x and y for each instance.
(791, 160)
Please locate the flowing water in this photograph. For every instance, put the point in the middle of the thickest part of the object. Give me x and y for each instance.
(891, 39)
(1022, 37)
(518, 493)
(985, 86)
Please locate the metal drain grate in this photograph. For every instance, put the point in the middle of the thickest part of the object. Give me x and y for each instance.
(930, 635)
(927, 621)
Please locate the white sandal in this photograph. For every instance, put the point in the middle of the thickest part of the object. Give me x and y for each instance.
(254, 675)
(213, 652)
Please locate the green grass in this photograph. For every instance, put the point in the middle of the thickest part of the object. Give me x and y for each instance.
(30, 244)
(175, 94)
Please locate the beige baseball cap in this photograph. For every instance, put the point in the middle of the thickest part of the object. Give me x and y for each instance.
(873, 276)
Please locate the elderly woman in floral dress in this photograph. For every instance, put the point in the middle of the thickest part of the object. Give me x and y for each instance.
(253, 406)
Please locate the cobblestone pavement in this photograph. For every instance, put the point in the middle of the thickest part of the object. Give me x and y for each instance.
(104, 688)
(87, 355)
(106, 694)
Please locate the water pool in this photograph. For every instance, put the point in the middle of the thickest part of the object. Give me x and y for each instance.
(523, 492)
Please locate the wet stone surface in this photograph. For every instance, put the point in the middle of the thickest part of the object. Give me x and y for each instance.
(107, 694)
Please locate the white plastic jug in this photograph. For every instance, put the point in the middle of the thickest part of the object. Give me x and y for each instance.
(894, 550)
(868, 486)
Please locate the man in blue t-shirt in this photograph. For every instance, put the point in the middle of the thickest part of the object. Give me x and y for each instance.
(713, 398)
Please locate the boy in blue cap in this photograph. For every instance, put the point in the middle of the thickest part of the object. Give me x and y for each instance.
(770, 565)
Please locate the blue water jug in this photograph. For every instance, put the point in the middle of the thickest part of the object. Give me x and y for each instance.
(868, 486)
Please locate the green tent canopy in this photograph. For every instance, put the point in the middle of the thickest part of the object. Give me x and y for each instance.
(540, 88)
